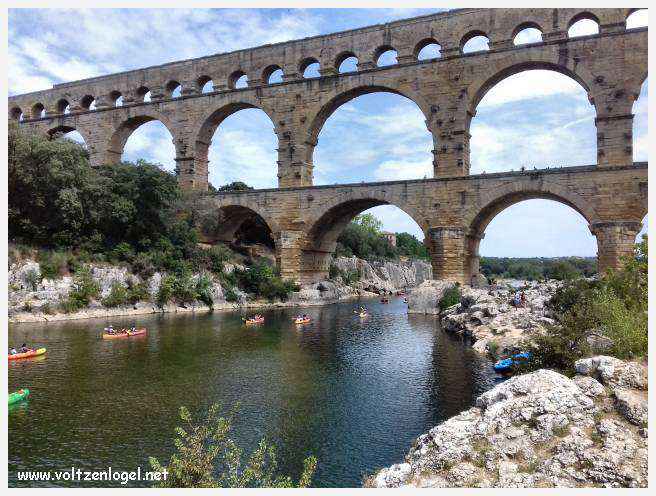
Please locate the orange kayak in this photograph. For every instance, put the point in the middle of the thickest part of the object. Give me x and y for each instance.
(27, 354)
(253, 321)
(127, 334)
(302, 321)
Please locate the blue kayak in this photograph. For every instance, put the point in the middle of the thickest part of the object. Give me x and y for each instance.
(507, 363)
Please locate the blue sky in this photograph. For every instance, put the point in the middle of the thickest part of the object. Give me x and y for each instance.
(537, 118)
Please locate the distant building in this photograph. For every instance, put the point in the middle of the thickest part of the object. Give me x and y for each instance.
(390, 237)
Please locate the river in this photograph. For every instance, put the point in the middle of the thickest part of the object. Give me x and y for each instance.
(353, 392)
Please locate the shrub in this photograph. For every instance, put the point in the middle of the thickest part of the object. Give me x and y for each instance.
(165, 290)
(83, 290)
(614, 307)
(450, 297)
(203, 290)
(230, 294)
(217, 256)
(137, 291)
(202, 447)
(27, 306)
(47, 309)
(117, 296)
(53, 264)
(33, 278)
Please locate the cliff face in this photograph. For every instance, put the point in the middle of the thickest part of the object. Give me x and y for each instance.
(385, 276)
(539, 430)
(34, 299)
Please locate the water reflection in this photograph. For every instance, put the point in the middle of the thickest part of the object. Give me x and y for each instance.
(354, 392)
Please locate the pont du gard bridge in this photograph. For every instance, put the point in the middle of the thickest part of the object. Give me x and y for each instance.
(453, 207)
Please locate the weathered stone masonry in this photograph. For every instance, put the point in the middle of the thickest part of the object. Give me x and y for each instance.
(454, 210)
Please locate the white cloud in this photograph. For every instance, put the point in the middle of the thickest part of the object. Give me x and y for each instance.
(530, 85)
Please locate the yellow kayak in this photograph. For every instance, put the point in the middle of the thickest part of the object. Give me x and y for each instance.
(28, 354)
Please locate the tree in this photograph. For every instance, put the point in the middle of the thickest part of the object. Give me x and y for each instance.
(208, 457)
(235, 186)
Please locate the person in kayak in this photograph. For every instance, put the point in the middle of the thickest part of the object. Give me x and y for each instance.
(24, 348)
(12, 351)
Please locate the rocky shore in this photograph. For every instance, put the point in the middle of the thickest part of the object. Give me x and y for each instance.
(32, 300)
(486, 315)
(539, 430)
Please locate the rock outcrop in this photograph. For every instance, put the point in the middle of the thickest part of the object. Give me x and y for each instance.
(486, 315)
(385, 276)
(32, 299)
(539, 430)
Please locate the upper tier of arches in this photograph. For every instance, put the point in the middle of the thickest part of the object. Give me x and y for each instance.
(233, 71)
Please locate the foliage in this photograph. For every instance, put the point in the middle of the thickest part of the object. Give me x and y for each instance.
(117, 296)
(409, 246)
(533, 269)
(83, 290)
(230, 294)
(207, 456)
(33, 278)
(348, 277)
(235, 186)
(613, 310)
(262, 280)
(450, 297)
(362, 238)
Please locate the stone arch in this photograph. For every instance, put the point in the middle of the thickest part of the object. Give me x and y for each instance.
(524, 26)
(125, 128)
(495, 201)
(16, 113)
(235, 77)
(380, 51)
(471, 35)
(580, 16)
(305, 63)
(342, 56)
(268, 72)
(62, 106)
(212, 119)
(37, 110)
(60, 130)
(423, 44)
(478, 90)
(328, 223)
(233, 216)
(327, 108)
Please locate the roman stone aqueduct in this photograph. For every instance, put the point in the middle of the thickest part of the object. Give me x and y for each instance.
(453, 208)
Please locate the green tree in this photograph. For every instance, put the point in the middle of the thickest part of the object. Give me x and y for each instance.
(235, 186)
(207, 456)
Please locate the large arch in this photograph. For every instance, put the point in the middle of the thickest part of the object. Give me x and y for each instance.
(505, 108)
(479, 88)
(494, 202)
(124, 130)
(327, 225)
(63, 131)
(328, 107)
(210, 122)
(232, 218)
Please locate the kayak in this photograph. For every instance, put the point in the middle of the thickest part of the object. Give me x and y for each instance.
(506, 364)
(302, 321)
(28, 354)
(19, 395)
(254, 321)
(128, 334)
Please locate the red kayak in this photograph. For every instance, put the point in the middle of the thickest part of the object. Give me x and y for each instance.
(125, 334)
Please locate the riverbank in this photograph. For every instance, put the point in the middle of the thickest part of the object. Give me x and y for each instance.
(32, 299)
(541, 429)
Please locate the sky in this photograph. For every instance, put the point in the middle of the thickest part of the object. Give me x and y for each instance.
(535, 118)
